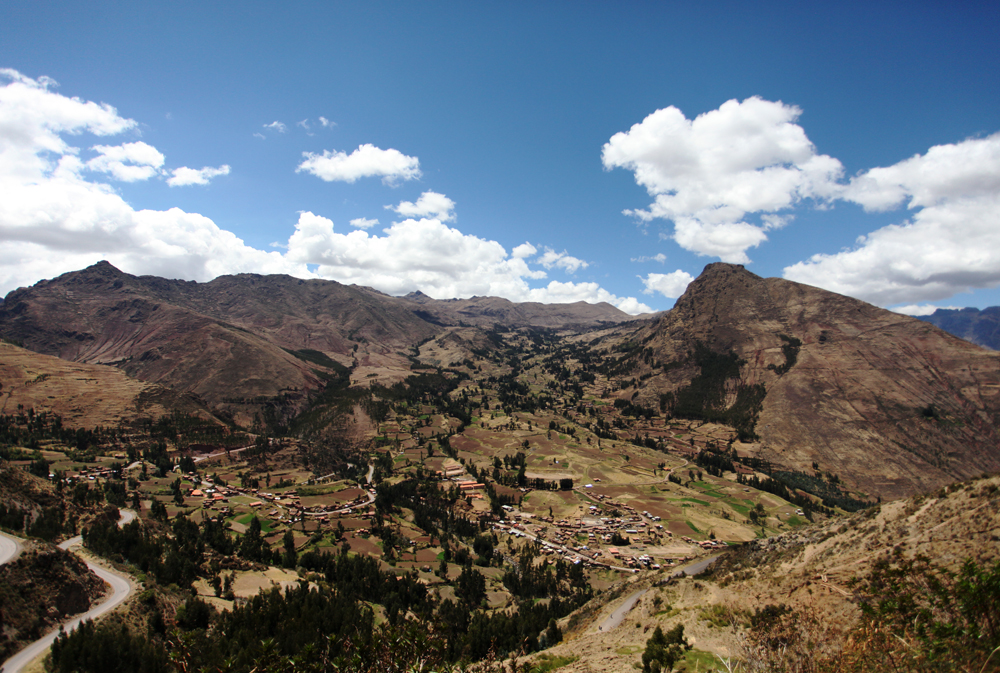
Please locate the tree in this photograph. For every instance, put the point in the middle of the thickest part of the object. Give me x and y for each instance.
(663, 650)
(253, 545)
(471, 587)
(289, 558)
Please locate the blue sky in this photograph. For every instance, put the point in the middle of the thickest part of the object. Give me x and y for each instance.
(551, 151)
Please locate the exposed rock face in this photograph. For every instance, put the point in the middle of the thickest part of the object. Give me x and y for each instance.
(889, 403)
(979, 327)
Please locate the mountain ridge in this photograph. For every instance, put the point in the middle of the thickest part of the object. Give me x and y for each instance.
(844, 379)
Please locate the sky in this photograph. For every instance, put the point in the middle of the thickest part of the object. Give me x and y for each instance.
(539, 151)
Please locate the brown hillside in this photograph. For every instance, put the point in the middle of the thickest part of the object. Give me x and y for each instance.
(889, 403)
(83, 395)
(226, 341)
(809, 570)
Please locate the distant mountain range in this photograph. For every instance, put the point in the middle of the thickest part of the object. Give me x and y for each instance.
(981, 327)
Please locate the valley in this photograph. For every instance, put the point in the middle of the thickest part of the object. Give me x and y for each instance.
(492, 476)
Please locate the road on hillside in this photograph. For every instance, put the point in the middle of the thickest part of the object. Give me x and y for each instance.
(616, 617)
(121, 588)
(697, 567)
(10, 548)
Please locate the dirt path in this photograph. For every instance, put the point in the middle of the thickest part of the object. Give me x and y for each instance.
(121, 588)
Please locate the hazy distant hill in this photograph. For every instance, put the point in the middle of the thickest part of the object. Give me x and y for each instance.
(488, 311)
(889, 403)
(979, 327)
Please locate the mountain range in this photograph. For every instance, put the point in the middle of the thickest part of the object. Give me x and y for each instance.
(810, 380)
(972, 324)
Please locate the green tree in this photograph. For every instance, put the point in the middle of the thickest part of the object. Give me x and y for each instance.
(663, 650)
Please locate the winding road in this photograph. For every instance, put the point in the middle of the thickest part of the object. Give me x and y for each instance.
(121, 588)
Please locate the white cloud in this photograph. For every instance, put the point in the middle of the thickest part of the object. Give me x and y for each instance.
(304, 124)
(54, 218)
(950, 244)
(560, 260)
(562, 293)
(194, 176)
(670, 285)
(430, 205)
(326, 123)
(276, 126)
(524, 250)
(259, 135)
(366, 161)
(919, 309)
(438, 260)
(363, 223)
(706, 175)
(32, 119)
(658, 257)
(130, 162)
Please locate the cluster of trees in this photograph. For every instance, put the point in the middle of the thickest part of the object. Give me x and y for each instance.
(26, 428)
(704, 398)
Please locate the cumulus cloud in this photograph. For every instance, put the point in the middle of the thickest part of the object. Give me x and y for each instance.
(708, 174)
(950, 244)
(429, 256)
(326, 123)
(55, 217)
(184, 176)
(366, 161)
(429, 205)
(130, 162)
(560, 260)
(276, 126)
(524, 250)
(670, 285)
(363, 223)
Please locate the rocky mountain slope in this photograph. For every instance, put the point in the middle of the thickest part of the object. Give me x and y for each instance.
(246, 342)
(981, 327)
(889, 403)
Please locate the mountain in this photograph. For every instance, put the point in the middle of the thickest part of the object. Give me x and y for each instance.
(488, 311)
(979, 327)
(250, 344)
(239, 342)
(823, 383)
